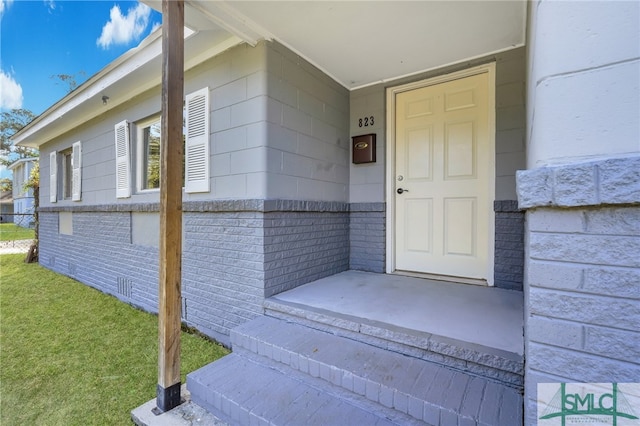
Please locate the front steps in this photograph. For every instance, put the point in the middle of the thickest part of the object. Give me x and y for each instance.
(496, 364)
(285, 373)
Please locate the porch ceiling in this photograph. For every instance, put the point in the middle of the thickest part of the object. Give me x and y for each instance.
(360, 43)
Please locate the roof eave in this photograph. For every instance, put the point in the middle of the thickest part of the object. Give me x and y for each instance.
(34, 134)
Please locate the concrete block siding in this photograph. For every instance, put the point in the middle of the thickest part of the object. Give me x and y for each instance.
(583, 272)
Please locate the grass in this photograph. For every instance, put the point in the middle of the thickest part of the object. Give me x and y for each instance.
(71, 355)
(10, 232)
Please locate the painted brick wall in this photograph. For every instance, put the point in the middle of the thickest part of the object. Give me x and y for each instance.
(583, 274)
(509, 245)
(235, 253)
(222, 270)
(223, 284)
(301, 247)
(100, 254)
(367, 237)
(584, 296)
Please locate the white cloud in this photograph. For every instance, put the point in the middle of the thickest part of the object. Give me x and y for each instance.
(4, 4)
(10, 92)
(51, 5)
(122, 29)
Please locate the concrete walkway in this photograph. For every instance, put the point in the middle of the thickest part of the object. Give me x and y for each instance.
(15, 246)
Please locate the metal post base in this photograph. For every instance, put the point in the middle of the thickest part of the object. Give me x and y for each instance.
(168, 398)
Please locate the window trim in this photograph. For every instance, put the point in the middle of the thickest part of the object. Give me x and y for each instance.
(66, 181)
(140, 126)
(53, 177)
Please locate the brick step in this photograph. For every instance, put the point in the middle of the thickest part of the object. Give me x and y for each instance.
(495, 364)
(421, 389)
(244, 389)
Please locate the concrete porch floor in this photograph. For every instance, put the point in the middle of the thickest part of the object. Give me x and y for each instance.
(486, 316)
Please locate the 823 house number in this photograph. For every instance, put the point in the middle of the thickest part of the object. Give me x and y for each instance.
(365, 121)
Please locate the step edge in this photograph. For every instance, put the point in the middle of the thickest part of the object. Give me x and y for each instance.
(226, 413)
(380, 330)
(341, 375)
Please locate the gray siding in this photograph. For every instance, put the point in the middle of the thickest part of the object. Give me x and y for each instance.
(308, 131)
(279, 130)
(367, 181)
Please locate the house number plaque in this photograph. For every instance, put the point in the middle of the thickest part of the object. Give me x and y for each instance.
(366, 121)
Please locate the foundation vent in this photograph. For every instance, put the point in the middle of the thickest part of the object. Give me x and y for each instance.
(124, 287)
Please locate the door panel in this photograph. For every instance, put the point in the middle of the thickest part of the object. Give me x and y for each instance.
(443, 165)
(419, 158)
(459, 151)
(419, 211)
(459, 226)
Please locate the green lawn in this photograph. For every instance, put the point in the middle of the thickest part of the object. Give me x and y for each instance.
(10, 232)
(70, 355)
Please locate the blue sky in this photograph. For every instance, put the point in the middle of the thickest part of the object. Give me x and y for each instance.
(41, 38)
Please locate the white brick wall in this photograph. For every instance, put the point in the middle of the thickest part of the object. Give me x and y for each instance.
(583, 293)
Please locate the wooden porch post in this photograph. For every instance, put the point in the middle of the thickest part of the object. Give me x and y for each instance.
(168, 391)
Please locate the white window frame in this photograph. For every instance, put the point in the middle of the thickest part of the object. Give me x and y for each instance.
(53, 177)
(67, 175)
(140, 169)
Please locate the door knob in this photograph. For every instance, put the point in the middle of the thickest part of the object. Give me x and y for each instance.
(400, 190)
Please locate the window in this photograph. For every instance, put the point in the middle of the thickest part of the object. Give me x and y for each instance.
(149, 137)
(53, 177)
(144, 153)
(149, 142)
(70, 176)
(18, 181)
(67, 174)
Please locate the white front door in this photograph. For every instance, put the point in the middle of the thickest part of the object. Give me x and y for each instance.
(443, 180)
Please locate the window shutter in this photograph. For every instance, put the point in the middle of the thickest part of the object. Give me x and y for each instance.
(123, 176)
(76, 175)
(53, 177)
(197, 142)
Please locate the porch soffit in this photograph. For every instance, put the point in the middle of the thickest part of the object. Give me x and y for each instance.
(360, 43)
